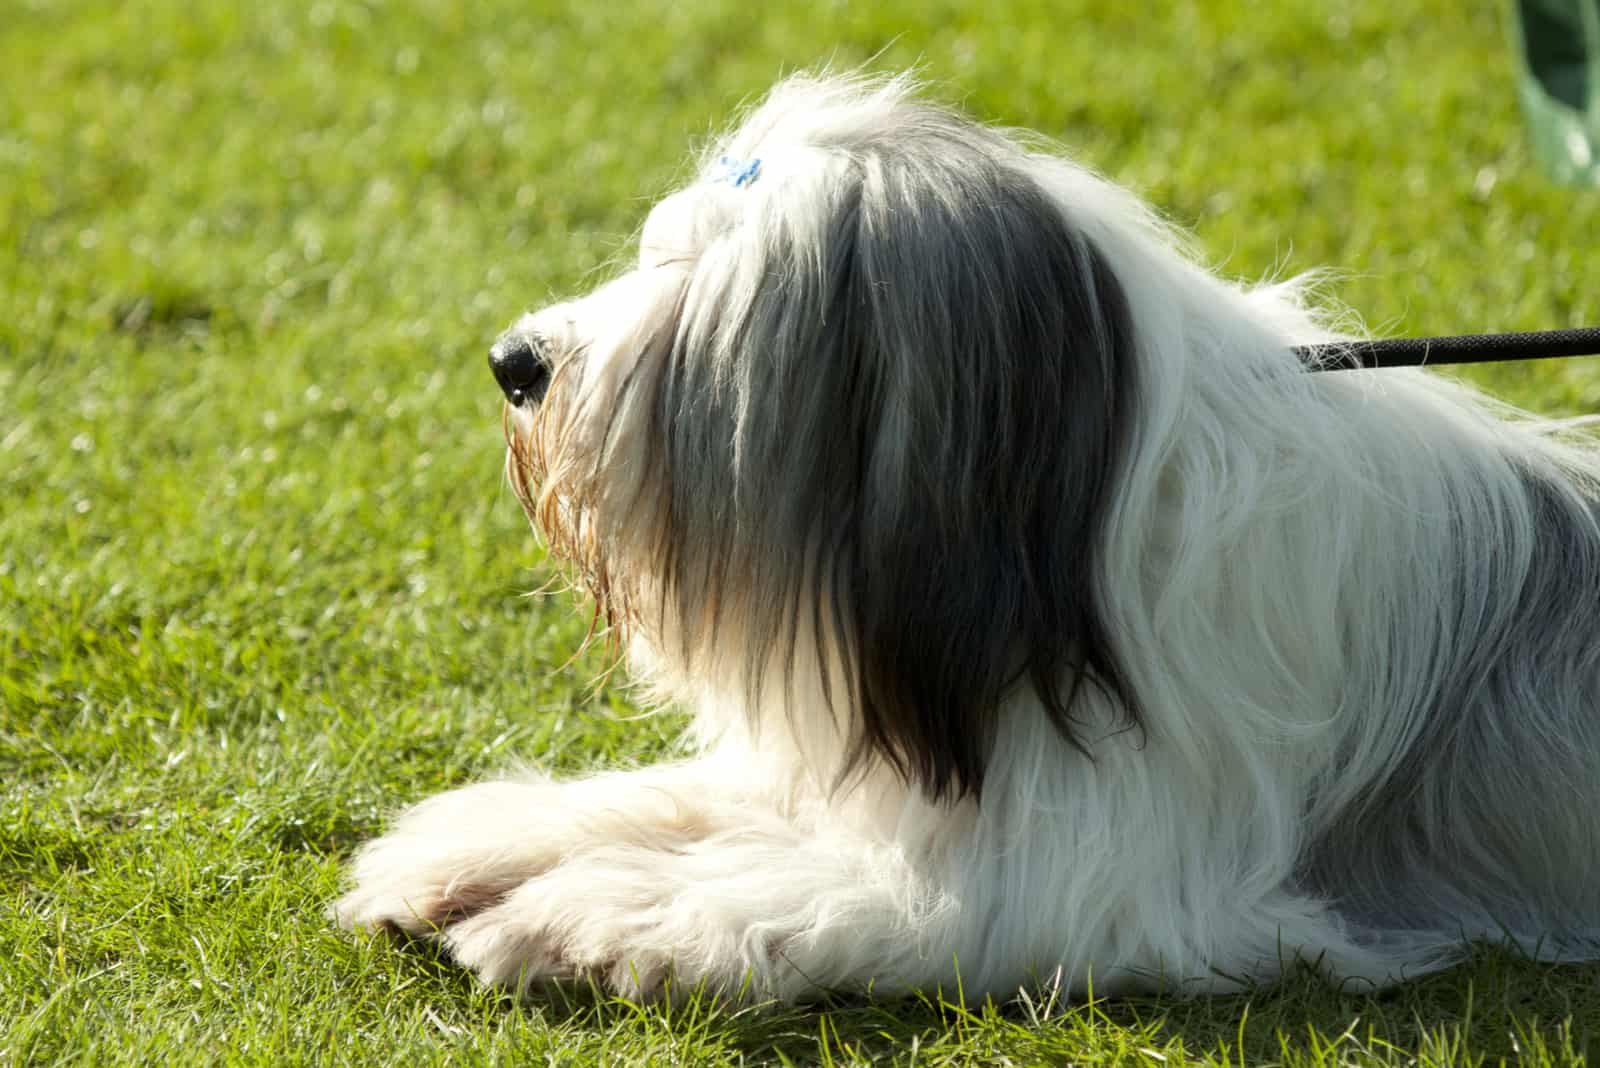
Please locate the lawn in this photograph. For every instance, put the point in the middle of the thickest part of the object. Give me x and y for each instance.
(262, 582)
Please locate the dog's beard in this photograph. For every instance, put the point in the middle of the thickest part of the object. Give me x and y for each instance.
(579, 461)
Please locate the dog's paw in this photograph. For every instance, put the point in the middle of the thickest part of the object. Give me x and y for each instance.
(450, 858)
(461, 853)
(625, 932)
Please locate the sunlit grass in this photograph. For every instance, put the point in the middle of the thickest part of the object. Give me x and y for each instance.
(261, 580)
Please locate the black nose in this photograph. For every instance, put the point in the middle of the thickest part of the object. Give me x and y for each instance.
(520, 367)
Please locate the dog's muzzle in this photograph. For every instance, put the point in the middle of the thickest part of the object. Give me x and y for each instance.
(521, 367)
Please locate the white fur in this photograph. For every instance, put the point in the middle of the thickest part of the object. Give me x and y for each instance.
(1298, 572)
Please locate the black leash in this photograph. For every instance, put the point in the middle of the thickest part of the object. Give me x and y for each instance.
(1465, 348)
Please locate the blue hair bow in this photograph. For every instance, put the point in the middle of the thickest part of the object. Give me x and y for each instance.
(738, 172)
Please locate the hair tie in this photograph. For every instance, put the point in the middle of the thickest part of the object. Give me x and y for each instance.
(738, 172)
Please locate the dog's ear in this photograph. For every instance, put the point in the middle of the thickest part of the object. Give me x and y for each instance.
(987, 390)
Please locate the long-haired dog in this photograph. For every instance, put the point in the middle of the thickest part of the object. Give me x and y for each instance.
(1041, 617)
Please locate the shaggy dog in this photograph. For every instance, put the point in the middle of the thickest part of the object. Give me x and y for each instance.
(1041, 618)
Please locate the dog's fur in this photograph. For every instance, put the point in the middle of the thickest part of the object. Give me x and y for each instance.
(1041, 617)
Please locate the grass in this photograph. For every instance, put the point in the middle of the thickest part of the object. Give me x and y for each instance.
(260, 579)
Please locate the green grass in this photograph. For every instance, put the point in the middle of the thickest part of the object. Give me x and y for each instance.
(260, 578)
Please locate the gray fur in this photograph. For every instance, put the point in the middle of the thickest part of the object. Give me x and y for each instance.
(1480, 818)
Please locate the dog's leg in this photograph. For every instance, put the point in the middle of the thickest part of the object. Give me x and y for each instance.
(762, 911)
(628, 878)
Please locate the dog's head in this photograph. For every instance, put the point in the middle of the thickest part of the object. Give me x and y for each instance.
(856, 414)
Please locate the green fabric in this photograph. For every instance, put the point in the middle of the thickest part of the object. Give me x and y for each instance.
(1558, 42)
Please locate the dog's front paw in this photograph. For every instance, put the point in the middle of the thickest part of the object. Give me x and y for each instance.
(451, 857)
(623, 930)
(623, 881)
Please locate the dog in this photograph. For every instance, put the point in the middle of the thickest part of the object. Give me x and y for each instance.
(1041, 619)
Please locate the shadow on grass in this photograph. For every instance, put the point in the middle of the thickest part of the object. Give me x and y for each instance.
(1496, 1008)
